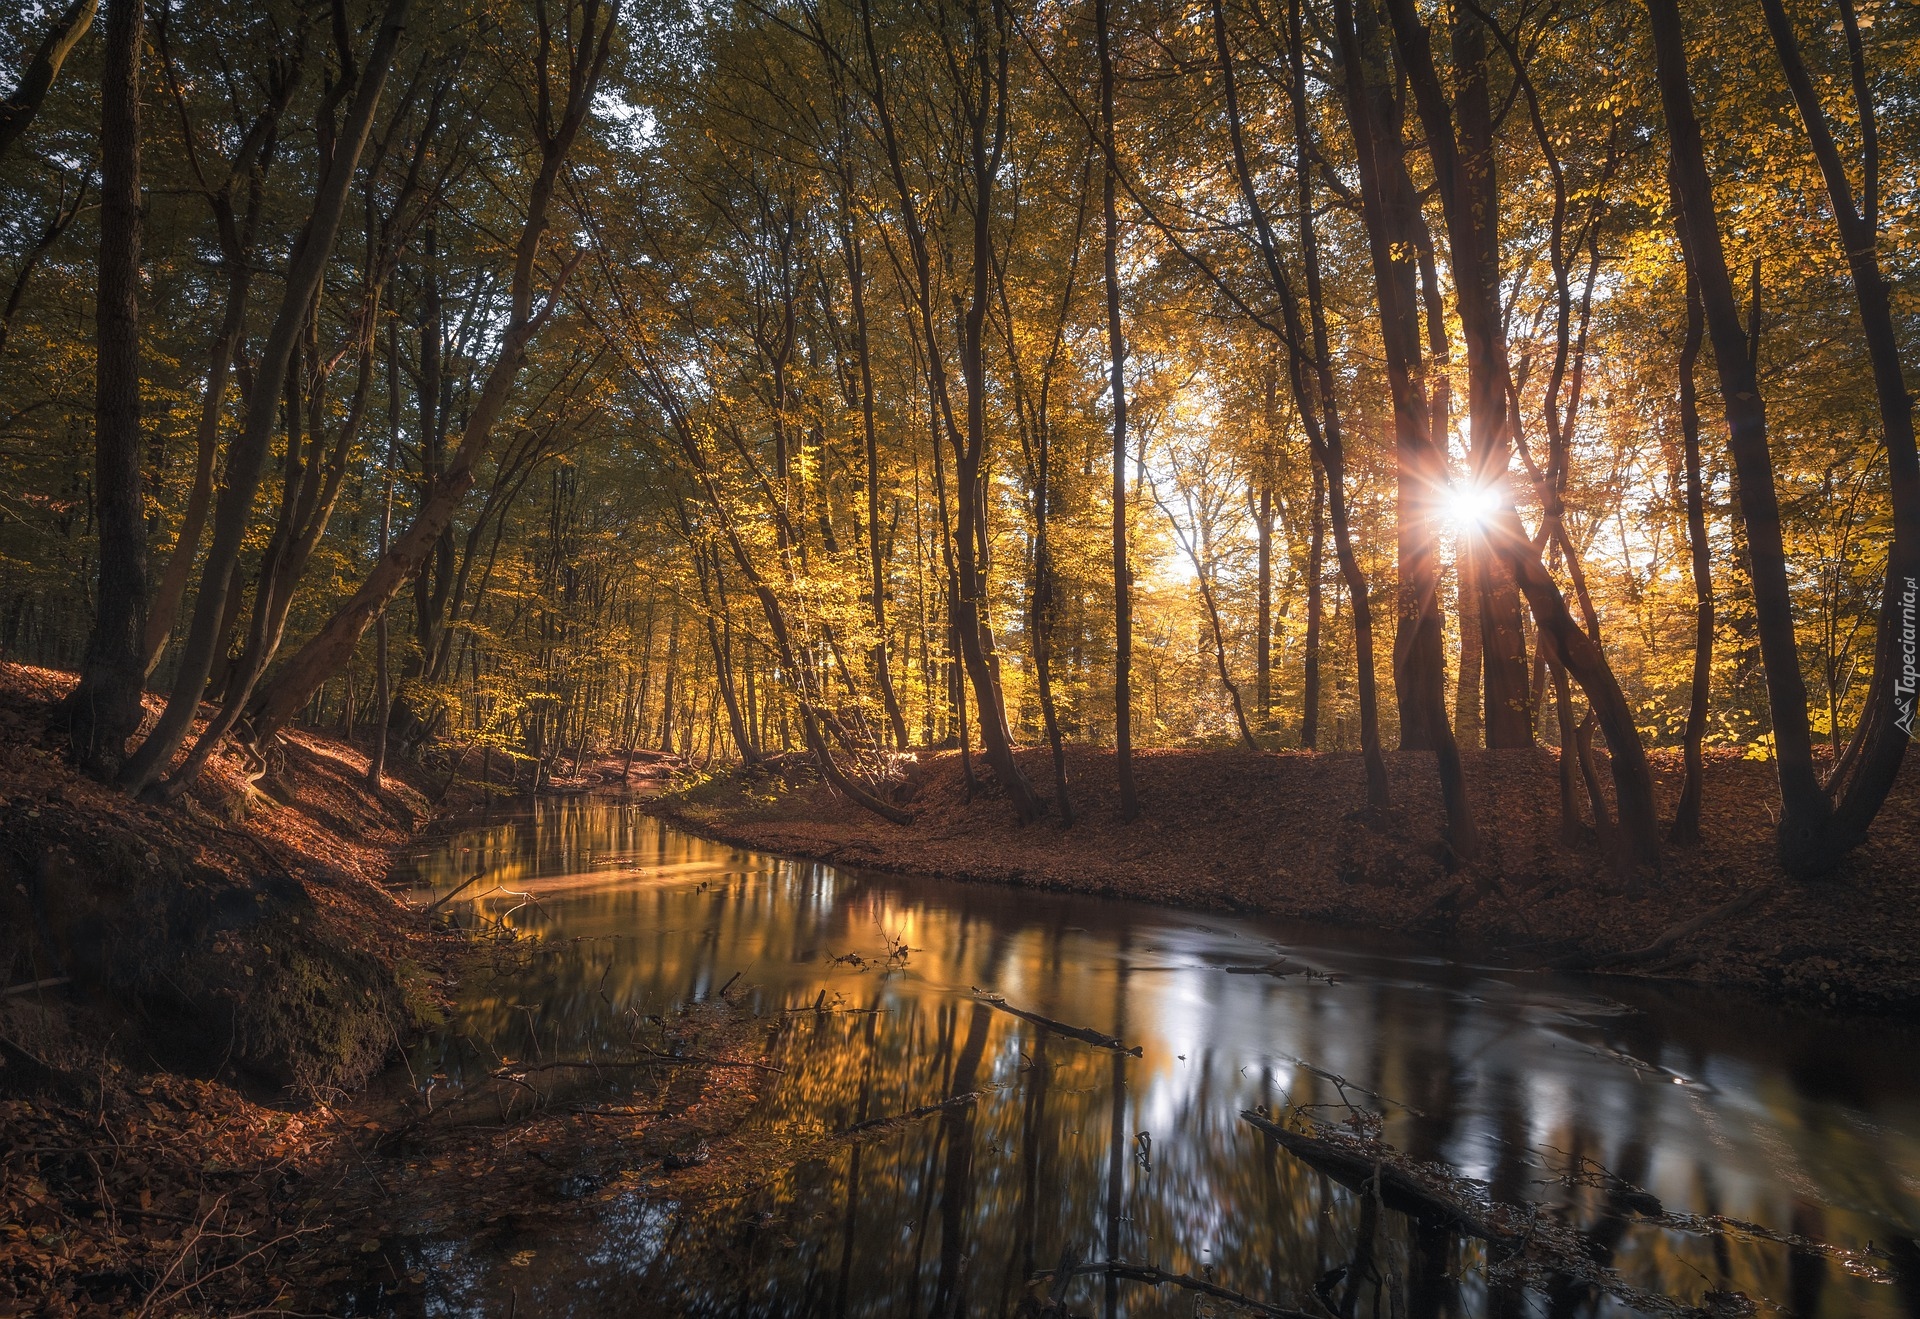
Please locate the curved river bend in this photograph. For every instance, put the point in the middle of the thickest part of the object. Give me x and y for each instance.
(1806, 1126)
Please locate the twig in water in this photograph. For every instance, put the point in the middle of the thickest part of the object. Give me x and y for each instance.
(878, 1124)
(1082, 1033)
(445, 898)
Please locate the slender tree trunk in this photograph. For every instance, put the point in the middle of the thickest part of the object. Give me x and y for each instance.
(876, 553)
(719, 631)
(668, 692)
(1864, 778)
(105, 710)
(1805, 809)
(1686, 818)
(1316, 614)
(383, 694)
(1263, 607)
(1117, 386)
(1263, 560)
(172, 589)
(1469, 548)
(247, 454)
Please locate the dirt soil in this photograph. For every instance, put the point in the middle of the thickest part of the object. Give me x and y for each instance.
(191, 997)
(1280, 834)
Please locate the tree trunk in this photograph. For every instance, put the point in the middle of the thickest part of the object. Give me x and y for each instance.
(1460, 144)
(172, 589)
(383, 693)
(668, 692)
(882, 665)
(1686, 818)
(1262, 505)
(1391, 211)
(1330, 445)
(713, 597)
(1805, 809)
(246, 456)
(1866, 776)
(1117, 386)
(1316, 613)
(105, 710)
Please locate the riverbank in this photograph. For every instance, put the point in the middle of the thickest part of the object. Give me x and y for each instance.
(1278, 834)
(195, 998)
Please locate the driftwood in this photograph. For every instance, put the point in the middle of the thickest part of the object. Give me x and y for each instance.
(1081, 1033)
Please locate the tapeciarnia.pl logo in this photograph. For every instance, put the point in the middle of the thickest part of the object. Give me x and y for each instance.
(1909, 676)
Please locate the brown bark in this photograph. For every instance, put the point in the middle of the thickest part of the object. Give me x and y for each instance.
(1805, 809)
(1263, 614)
(1686, 817)
(382, 682)
(1117, 389)
(251, 161)
(104, 710)
(1033, 410)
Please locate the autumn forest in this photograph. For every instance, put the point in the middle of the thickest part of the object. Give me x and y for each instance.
(950, 433)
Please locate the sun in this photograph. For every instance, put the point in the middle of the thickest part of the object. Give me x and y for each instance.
(1470, 505)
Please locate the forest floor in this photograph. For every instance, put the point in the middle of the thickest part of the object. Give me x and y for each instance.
(193, 999)
(1279, 834)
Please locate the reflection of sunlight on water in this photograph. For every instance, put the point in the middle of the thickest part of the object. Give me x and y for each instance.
(1716, 1104)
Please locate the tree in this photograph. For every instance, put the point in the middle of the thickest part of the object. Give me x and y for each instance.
(105, 709)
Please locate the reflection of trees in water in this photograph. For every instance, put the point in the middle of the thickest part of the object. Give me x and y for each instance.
(951, 1215)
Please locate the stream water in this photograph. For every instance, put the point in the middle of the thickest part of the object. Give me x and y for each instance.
(1805, 1126)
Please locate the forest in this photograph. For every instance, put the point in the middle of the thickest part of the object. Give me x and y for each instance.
(1461, 450)
(1334, 378)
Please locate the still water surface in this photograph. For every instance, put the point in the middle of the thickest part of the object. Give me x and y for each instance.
(1717, 1103)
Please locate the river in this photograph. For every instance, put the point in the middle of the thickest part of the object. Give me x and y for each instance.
(1804, 1126)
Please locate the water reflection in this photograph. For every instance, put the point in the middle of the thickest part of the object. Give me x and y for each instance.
(1717, 1104)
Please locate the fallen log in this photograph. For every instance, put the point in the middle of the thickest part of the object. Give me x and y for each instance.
(1081, 1033)
(1434, 1198)
(1524, 1242)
